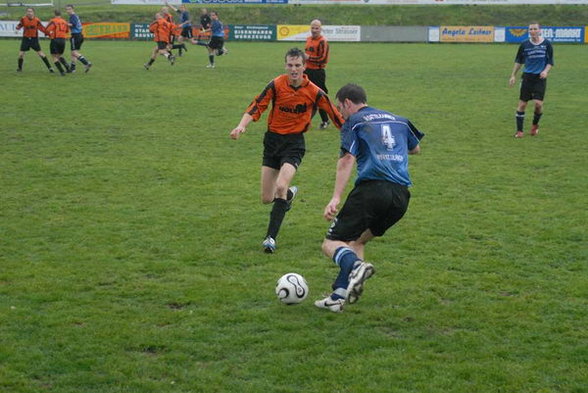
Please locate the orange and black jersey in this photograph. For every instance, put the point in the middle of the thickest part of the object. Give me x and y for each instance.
(317, 52)
(292, 107)
(31, 27)
(57, 28)
(161, 30)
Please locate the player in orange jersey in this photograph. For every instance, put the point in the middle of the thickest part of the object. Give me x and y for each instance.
(31, 26)
(57, 30)
(294, 100)
(161, 30)
(317, 57)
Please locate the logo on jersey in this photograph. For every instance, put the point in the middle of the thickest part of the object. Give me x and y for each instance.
(300, 108)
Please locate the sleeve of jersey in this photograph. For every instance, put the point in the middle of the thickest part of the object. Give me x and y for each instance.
(348, 140)
(153, 27)
(325, 104)
(414, 136)
(42, 28)
(550, 54)
(20, 24)
(261, 102)
(322, 53)
(49, 29)
(520, 58)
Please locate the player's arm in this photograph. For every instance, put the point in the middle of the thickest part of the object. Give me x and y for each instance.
(171, 6)
(322, 52)
(19, 25)
(549, 64)
(513, 75)
(242, 126)
(42, 28)
(325, 104)
(344, 168)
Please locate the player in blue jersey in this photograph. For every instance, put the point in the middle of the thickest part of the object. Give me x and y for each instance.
(536, 54)
(216, 46)
(379, 142)
(185, 24)
(76, 40)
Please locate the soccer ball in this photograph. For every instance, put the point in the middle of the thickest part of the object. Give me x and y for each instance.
(291, 288)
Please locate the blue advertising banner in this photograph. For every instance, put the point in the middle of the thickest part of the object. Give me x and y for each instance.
(516, 34)
(235, 1)
(140, 31)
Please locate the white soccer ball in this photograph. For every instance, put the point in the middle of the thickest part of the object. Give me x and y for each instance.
(291, 288)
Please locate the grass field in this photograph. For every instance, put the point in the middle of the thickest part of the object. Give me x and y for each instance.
(130, 230)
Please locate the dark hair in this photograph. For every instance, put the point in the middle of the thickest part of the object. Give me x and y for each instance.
(57, 13)
(353, 93)
(69, 5)
(295, 52)
(535, 23)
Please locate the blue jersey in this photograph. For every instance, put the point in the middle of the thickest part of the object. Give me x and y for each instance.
(380, 142)
(185, 17)
(535, 57)
(76, 24)
(217, 28)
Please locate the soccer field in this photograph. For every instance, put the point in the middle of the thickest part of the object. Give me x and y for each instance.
(131, 229)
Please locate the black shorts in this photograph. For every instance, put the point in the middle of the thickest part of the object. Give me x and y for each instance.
(375, 205)
(532, 87)
(57, 46)
(280, 149)
(162, 45)
(30, 43)
(187, 32)
(318, 77)
(76, 41)
(216, 42)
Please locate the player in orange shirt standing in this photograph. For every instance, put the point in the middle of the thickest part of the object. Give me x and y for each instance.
(31, 26)
(294, 99)
(161, 30)
(57, 30)
(317, 57)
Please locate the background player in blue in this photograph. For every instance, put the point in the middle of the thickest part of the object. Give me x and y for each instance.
(76, 40)
(185, 24)
(216, 46)
(379, 142)
(536, 54)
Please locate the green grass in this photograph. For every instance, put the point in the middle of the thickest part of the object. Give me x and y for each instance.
(130, 230)
(365, 15)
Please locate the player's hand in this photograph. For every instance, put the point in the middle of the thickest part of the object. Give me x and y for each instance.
(331, 209)
(511, 81)
(543, 75)
(237, 131)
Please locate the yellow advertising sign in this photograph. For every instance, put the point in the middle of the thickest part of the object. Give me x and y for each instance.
(107, 30)
(293, 32)
(466, 34)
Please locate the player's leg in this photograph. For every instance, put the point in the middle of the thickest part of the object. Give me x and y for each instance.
(20, 60)
(520, 118)
(210, 57)
(279, 184)
(154, 54)
(37, 48)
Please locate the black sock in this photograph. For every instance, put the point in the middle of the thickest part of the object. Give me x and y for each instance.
(62, 61)
(59, 67)
(289, 195)
(83, 60)
(211, 59)
(520, 116)
(276, 217)
(536, 118)
(324, 116)
(177, 46)
(151, 61)
(20, 61)
(46, 61)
